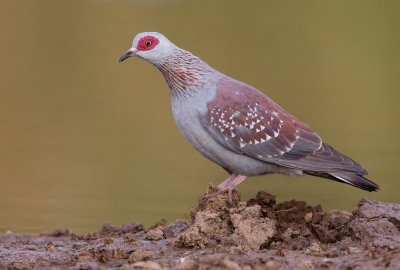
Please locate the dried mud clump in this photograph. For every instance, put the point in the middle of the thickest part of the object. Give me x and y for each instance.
(376, 221)
(215, 221)
(257, 234)
(261, 223)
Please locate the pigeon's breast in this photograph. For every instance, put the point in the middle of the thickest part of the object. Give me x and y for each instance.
(187, 112)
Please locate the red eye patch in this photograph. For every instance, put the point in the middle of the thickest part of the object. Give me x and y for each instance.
(147, 43)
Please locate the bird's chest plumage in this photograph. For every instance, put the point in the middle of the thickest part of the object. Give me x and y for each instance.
(188, 112)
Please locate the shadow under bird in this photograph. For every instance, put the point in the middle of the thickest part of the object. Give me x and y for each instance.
(237, 126)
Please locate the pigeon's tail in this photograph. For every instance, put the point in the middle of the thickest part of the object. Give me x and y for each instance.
(348, 178)
(331, 164)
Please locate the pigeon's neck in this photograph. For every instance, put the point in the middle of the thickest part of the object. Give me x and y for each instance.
(184, 73)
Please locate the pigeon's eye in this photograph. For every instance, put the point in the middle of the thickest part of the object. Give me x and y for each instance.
(147, 43)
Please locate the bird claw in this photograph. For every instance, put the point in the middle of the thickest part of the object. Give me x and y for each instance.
(212, 191)
(212, 188)
(230, 196)
(215, 191)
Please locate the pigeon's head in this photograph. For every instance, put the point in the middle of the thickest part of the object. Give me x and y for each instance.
(150, 46)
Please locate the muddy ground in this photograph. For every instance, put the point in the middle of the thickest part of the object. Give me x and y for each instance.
(257, 234)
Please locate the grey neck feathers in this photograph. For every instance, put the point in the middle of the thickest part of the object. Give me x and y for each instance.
(184, 73)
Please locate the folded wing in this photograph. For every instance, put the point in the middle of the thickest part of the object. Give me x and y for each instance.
(247, 122)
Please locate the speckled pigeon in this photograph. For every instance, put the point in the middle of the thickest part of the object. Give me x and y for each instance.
(237, 126)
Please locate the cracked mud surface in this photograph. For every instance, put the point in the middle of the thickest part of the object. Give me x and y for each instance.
(257, 234)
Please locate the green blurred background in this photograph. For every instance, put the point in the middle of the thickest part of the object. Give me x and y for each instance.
(85, 140)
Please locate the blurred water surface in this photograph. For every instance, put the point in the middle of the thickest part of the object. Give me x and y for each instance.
(85, 140)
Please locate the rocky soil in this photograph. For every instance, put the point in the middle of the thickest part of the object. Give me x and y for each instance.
(257, 234)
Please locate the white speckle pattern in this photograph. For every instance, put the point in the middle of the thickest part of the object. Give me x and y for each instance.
(254, 126)
(260, 126)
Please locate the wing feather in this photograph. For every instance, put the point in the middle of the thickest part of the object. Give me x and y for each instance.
(244, 119)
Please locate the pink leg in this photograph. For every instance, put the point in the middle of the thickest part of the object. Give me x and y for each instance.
(231, 182)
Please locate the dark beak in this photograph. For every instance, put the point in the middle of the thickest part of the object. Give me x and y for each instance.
(129, 53)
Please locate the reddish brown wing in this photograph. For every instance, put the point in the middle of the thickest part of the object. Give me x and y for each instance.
(246, 121)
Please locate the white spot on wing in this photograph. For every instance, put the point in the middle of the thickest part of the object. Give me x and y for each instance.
(292, 144)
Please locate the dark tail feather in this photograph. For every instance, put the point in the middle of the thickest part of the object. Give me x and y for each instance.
(349, 178)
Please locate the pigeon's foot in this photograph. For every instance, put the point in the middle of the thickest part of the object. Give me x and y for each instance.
(228, 185)
(213, 191)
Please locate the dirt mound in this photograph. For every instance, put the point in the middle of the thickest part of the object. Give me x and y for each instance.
(257, 234)
(261, 223)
